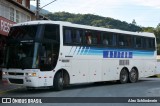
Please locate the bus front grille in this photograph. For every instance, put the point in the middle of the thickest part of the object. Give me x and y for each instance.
(14, 73)
(16, 81)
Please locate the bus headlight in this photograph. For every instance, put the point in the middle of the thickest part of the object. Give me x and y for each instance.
(5, 73)
(31, 74)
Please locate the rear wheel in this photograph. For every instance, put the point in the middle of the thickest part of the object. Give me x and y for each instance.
(124, 76)
(133, 75)
(58, 81)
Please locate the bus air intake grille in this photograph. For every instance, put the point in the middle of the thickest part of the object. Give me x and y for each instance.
(123, 62)
(16, 81)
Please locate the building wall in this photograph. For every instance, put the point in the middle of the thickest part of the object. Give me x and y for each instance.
(25, 3)
(10, 13)
(14, 13)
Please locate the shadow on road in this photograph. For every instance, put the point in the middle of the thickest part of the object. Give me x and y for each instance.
(75, 86)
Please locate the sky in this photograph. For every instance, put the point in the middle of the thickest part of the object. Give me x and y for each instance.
(145, 12)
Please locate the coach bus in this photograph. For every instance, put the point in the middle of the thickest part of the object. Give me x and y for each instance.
(56, 54)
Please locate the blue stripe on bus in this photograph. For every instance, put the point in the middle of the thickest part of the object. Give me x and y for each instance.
(113, 53)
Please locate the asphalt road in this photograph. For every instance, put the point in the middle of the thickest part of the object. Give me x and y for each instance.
(146, 87)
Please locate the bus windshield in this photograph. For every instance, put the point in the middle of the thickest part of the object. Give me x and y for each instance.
(20, 55)
(23, 32)
(33, 47)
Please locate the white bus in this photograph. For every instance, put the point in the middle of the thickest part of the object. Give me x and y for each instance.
(56, 54)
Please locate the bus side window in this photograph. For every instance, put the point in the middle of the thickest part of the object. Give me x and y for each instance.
(94, 38)
(98, 38)
(108, 39)
(67, 36)
(77, 36)
(128, 41)
(150, 43)
(88, 38)
(138, 42)
(105, 41)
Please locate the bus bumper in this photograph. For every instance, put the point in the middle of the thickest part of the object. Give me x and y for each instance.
(25, 78)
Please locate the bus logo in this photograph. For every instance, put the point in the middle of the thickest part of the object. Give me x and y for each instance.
(117, 54)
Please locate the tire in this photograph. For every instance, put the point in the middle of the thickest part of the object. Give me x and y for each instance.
(58, 83)
(133, 75)
(123, 76)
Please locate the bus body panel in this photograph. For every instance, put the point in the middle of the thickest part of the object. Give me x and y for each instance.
(89, 63)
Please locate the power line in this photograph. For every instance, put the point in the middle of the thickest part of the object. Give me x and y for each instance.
(47, 4)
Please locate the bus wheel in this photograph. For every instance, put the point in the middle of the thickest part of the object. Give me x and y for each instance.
(124, 76)
(58, 82)
(133, 75)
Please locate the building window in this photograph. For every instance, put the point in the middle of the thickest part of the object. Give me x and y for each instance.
(11, 14)
(28, 18)
(17, 16)
(4, 11)
(24, 3)
(1, 10)
(23, 18)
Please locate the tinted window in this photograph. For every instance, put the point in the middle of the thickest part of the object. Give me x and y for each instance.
(23, 32)
(124, 40)
(67, 36)
(138, 42)
(72, 35)
(88, 38)
(150, 43)
(108, 39)
(77, 36)
(51, 32)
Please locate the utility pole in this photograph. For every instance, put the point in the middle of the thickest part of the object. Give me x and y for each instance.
(37, 10)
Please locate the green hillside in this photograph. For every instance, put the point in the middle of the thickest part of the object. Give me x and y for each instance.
(93, 20)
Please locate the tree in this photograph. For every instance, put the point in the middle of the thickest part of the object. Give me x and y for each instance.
(148, 29)
(157, 33)
(134, 22)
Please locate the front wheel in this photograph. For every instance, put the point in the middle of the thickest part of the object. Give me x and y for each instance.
(124, 76)
(58, 81)
(133, 76)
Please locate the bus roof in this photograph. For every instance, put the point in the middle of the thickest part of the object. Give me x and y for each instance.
(69, 24)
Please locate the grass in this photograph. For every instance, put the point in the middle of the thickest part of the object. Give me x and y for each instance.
(158, 75)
